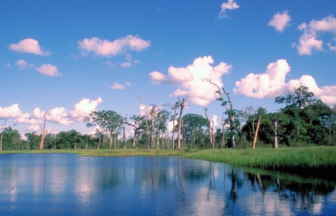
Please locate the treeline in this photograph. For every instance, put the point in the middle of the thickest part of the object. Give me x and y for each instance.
(304, 120)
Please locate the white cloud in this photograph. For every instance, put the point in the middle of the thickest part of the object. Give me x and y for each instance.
(127, 83)
(28, 45)
(22, 64)
(280, 21)
(12, 111)
(230, 5)
(33, 128)
(48, 70)
(126, 64)
(26, 118)
(118, 86)
(265, 84)
(192, 80)
(327, 24)
(84, 108)
(8, 65)
(58, 115)
(309, 39)
(105, 48)
(273, 83)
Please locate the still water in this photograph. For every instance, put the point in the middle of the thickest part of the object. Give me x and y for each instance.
(66, 184)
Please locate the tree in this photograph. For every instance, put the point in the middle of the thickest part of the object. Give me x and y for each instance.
(300, 98)
(96, 118)
(229, 111)
(210, 128)
(193, 123)
(174, 119)
(161, 124)
(42, 127)
(181, 104)
(2, 129)
(138, 124)
(112, 121)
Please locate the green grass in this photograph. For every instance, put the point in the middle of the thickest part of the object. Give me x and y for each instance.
(275, 159)
(103, 152)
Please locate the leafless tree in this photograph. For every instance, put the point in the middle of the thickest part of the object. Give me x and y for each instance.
(2, 130)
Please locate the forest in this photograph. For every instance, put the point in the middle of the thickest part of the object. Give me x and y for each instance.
(303, 121)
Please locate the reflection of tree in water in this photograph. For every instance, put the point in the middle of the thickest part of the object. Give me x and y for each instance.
(305, 196)
(232, 197)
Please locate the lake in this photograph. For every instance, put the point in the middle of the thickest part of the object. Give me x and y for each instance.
(66, 184)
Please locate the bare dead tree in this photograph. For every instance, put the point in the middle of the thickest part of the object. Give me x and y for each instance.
(123, 127)
(256, 133)
(275, 123)
(174, 118)
(2, 130)
(42, 127)
(182, 104)
(209, 128)
(223, 130)
(229, 111)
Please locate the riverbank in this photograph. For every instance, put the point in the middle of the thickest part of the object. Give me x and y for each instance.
(284, 159)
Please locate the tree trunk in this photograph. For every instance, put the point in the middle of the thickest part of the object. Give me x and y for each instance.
(115, 142)
(275, 122)
(134, 138)
(181, 104)
(209, 127)
(1, 142)
(42, 141)
(223, 132)
(173, 136)
(256, 133)
(111, 139)
(124, 135)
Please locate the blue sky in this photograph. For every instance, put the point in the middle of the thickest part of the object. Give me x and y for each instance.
(70, 57)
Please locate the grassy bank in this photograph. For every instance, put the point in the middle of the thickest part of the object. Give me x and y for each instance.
(295, 158)
(275, 159)
(103, 152)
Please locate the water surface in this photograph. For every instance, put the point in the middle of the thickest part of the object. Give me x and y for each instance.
(65, 184)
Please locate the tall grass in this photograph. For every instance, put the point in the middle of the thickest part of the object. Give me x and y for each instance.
(279, 159)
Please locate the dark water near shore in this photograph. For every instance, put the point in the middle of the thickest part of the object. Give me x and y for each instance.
(65, 184)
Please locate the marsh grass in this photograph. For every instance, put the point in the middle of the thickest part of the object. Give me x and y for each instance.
(276, 159)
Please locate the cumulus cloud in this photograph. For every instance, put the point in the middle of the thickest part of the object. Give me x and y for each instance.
(192, 80)
(118, 86)
(33, 128)
(22, 64)
(84, 108)
(27, 118)
(265, 84)
(230, 5)
(280, 21)
(28, 45)
(48, 70)
(309, 39)
(273, 83)
(58, 115)
(105, 48)
(12, 111)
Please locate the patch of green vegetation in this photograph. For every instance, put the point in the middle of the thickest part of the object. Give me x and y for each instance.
(275, 159)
